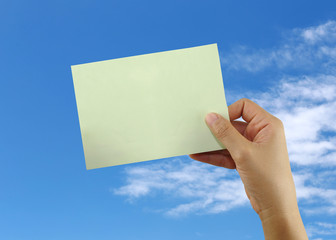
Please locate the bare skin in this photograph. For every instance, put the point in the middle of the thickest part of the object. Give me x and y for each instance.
(257, 150)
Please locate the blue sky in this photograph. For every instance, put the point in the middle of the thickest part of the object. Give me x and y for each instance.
(280, 54)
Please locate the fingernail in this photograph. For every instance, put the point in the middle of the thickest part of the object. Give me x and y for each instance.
(211, 118)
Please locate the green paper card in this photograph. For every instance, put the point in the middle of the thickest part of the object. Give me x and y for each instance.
(149, 106)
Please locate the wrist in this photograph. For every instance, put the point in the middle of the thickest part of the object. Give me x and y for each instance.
(286, 224)
(275, 212)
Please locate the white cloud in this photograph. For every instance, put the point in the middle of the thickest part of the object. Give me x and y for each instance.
(305, 49)
(316, 198)
(202, 188)
(321, 228)
(322, 33)
(307, 106)
(305, 102)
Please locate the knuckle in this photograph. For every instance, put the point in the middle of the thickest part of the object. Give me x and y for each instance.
(278, 122)
(246, 100)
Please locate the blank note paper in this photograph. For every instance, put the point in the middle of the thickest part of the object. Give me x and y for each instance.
(149, 106)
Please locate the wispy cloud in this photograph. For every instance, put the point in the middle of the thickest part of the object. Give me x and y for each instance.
(306, 105)
(322, 33)
(307, 49)
(305, 101)
(321, 229)
(201, 188)
(315, 196)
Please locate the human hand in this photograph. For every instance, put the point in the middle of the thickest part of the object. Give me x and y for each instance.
(257, 150)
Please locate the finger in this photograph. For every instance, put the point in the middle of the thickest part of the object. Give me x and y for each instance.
(256, 117)
(219, 153)
(215, 158)
(247, 109)
(240, 126)
(229, 136)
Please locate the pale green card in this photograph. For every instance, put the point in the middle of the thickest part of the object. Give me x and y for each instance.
(149, 106)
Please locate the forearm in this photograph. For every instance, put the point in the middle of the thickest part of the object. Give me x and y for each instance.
(287, 226)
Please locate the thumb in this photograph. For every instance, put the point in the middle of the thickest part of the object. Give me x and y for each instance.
(226, 133)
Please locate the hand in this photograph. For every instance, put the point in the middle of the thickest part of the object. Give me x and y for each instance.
(257, 150)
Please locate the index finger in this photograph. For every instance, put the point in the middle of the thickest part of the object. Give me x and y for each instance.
(247, 109)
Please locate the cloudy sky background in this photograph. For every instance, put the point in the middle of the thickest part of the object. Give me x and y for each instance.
(280, 54)
(305, 101)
